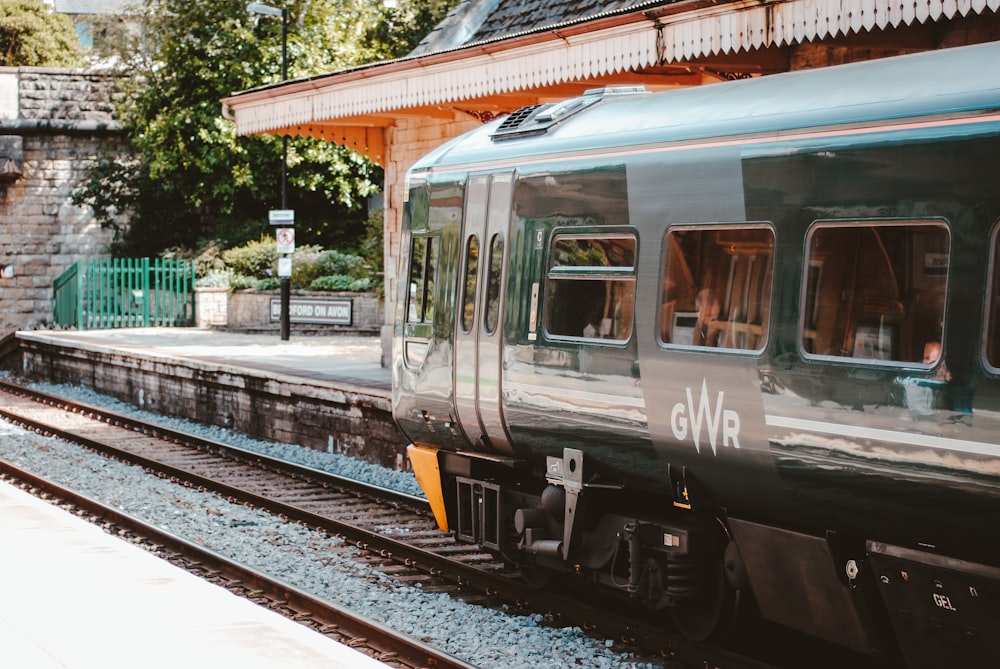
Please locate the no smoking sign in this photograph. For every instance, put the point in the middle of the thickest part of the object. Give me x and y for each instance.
(286, 240)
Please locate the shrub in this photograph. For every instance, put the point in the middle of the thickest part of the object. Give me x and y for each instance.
(214, 279)
(254, 259)
(240, 282)
(332, 263)
(341, 282)
(270, 283)
(305, 266)
(255, 265)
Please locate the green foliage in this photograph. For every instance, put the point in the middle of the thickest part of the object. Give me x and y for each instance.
(270, 283)
(255, 265)
(239, 282)
(214, 279)
(341, 282)
(257, 259)
(335, 262)
(404, 26)
(32, 34)
(194, 179)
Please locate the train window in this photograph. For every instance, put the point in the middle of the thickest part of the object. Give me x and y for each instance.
(423, 260)
(717, 286)
(992, 348)
(876, 291)
(493, 284)
(469, 290)
(590, 291)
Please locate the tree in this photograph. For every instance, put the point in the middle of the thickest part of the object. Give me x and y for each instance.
(32, 34)
(195, 180)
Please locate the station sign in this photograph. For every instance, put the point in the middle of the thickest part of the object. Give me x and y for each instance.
(323, 311)
(281, 217)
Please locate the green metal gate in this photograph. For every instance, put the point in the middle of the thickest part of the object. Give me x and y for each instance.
(125, 293)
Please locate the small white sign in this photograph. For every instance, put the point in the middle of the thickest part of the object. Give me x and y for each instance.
(286, 240)
(284, 268)
(281, 216)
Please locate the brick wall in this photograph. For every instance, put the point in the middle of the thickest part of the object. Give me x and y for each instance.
(59, 122)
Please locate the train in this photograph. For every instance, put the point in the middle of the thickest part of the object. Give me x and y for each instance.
(728, 344)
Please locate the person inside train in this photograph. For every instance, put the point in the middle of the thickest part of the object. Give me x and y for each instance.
(597, 326)
(932, 353)
(707, 330)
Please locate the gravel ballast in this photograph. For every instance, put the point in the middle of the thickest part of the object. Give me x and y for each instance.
(298, 555)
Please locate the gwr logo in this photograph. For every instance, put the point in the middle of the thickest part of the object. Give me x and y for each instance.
(686, 419)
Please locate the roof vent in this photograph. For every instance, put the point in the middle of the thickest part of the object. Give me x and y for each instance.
(537, 119)
(517, 119)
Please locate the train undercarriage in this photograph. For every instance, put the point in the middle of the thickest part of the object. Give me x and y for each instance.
(702, 569)
(675, 561)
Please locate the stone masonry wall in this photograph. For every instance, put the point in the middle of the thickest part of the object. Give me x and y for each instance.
(62, 121)
(336, 418)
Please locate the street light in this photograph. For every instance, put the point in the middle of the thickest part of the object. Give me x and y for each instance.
(286, 281)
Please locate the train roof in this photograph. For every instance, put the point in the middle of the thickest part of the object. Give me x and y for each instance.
(948, 81)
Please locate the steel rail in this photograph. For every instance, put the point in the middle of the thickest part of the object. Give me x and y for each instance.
(150, 429)
(386, 641)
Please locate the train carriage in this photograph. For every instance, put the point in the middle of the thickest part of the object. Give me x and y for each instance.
(735, 339)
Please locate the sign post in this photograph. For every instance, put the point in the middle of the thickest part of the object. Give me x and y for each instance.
(285, 238)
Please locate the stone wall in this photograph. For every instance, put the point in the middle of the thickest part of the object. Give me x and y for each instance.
(54, 124)
(327, 416)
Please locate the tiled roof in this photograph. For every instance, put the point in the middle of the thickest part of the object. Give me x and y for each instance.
(352, 106)
(482, 20)
(512, 16)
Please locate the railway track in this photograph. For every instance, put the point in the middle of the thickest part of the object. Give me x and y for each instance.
(367, 636)
(394, 530)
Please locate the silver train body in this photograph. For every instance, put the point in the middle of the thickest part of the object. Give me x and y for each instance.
(739, 341)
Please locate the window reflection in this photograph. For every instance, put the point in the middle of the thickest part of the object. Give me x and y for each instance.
(493, 284)
(876, 292)
(423, 260)
(590, 291)
(717, 287)
(469, 290)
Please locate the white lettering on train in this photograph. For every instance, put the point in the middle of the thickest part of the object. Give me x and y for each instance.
(687, 419)
(944, 602)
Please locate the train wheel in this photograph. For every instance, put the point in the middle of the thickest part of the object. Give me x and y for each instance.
(710, 614)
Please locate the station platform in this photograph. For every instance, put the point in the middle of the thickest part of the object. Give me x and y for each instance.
(75, 597)
(330, 393)
(336, 359)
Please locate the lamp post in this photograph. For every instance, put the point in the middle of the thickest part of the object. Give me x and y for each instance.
(286, 281)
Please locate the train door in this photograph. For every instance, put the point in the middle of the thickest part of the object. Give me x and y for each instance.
(478, 336)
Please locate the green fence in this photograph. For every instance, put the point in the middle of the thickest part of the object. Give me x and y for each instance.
(125, 293)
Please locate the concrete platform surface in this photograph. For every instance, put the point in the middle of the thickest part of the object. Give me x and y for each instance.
(75, 597)
(350, 359)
